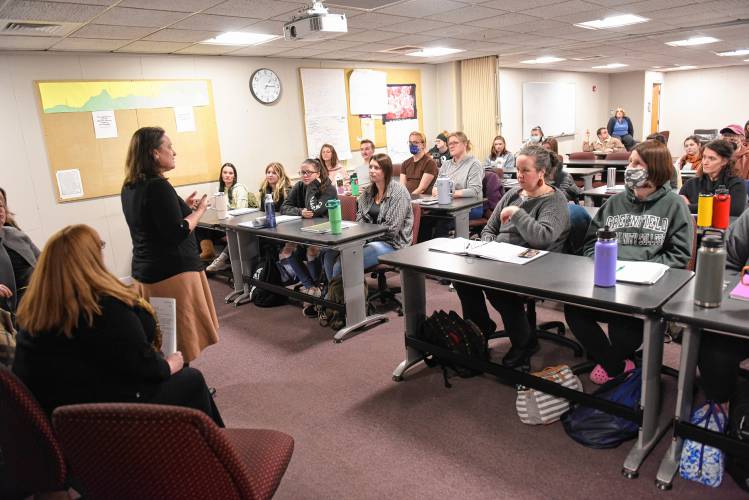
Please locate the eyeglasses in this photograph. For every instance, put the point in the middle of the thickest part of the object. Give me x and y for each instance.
(453, 143)
(415, 143)
(308, 172)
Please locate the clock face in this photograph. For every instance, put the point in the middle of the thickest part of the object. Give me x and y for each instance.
(265, 86)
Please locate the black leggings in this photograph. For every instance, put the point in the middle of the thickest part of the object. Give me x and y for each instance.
(719, 359)
(187, 388)
(510, 306)
(625, 336)
(435, 226)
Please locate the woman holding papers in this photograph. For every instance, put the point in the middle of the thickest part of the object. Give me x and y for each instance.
(307, 198)
(385, 201)
(532, 215)
(714, 171)
(165, 253)
(652, 224)
(500, 157)
(87, 338)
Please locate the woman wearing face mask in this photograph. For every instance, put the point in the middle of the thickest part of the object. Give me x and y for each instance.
(307, 198)
(419, 172)
(716, 170)
(692, 158)
(536, 138)
(620, 126)
(666, 239)
(500, 157)
(440, 152)
(532, 215)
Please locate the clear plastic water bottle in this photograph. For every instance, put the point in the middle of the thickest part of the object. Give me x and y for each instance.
(604, 272)
(270, 211)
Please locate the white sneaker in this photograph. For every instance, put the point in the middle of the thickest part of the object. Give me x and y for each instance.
(313, 290)
(219, 264)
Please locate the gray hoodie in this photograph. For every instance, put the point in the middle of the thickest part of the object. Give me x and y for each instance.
(657, 229)
(467, 175)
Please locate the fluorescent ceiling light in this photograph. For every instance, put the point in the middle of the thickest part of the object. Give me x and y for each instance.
(679, 68)
(613, 22)
(543, 60)
(611, 66)
(695, 40)
(740, 52)
(240, 38)
(434, 52)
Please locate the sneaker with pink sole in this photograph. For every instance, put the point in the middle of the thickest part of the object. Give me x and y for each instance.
(600, 376)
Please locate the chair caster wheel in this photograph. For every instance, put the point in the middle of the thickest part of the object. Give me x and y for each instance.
(337, 341)
(630, 474)
(662, 485)
(397, 378)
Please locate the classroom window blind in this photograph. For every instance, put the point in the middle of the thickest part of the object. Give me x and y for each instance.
(479, 103)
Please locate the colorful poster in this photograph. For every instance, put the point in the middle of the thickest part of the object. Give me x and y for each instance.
(401, 102)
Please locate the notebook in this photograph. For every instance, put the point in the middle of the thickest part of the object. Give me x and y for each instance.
(242, 211)
(741, 292)
(492, 250)
(166, 313)
(641, 273)
(261, 222)
(324, 227)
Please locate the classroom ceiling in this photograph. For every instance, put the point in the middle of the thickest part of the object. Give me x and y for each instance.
(515, 30)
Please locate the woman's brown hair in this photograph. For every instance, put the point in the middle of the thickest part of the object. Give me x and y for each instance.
(724, 149)
(656, 156)
(140, 163)
(333, 156)
(386, 165)
(69, 280)
(493, 155)
(282, 185)
(9, 216)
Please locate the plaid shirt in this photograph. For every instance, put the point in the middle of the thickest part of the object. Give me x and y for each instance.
(396, 214)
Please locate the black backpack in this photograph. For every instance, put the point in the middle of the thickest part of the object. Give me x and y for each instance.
(268, 272)
(738, 420)
(450, 331)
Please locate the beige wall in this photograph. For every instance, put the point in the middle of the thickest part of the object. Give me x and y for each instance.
(591, 107)
(448, 96)
(628, 91)
(706, 98)
(251, 135)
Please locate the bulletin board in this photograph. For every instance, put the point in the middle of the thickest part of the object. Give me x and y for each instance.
(66, 111)
(394, 76)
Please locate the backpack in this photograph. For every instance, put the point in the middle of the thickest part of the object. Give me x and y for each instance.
(450, 331)
(597, 429)
(7, 339)
(334, 318)
(268, 272)
(699, 462)
(738, 420)
(535, 407)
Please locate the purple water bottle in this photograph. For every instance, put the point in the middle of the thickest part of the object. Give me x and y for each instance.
(604, 273)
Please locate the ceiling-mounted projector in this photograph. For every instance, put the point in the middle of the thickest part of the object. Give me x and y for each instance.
(316, 23)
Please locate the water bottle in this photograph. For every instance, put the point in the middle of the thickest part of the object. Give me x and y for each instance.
(721, 208)
(334, 215)
(604, 271)
(611, 178)
(270, 211)
(711, 261)
(354, 180)
(705, 210)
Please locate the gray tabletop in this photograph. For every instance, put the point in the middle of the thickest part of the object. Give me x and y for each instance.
(601, 192)
(210, 220)
(583, 170)
(291, 231)
(596, 163)
(555, 276)
(454, 206)
(731, 317)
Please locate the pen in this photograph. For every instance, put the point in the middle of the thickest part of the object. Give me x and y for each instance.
(619, 268)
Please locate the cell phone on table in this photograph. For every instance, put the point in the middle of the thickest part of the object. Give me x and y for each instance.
(528, 254)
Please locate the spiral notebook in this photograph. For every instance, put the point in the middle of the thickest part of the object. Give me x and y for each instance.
(741, 292)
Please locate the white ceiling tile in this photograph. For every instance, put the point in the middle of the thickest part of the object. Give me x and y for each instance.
(88, 45)
(153, 47)
(207, 50)
(256, 50)
(517, 5)
(421, 8)
(258, 9)
(412, 39)
(111, 32)
(338, 55)
(505, 21)
(268, 27)
(213, 23)
(419, 26)
(123, 16)
(48, 11)
(26, 42)
(171, 5)
(172, 35)
(373, 20)
(465, 14)
(87, 2)
(367, 36)
(301, 52)
(560, 9)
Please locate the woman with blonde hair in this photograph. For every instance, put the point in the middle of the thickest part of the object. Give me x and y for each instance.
(620, 126)
(165, 253)
(87, 338)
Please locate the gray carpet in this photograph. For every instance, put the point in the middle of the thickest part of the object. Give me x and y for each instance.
(359, 435)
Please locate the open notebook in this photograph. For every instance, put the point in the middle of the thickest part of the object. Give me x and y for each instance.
(324, 227)
(641, 273)
(503, 252)
(261, 222)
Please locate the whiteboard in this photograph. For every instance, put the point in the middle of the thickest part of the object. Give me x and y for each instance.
(369, 92)
(325, 111)
(550, 106)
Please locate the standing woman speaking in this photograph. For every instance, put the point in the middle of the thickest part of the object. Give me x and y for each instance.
(165, 252)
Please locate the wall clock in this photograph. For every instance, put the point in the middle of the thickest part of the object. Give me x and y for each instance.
(265, 86)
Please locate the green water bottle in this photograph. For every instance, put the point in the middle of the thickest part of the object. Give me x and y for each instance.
(354, 179)
(334, 214)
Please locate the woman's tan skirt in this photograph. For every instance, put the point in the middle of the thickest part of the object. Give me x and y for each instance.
(197, 324)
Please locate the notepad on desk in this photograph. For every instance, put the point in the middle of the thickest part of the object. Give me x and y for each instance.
(492, 250)
(324, 227)
(242, 211)
(262, 222)
(641, 273)
(426, 201)
(740, 292)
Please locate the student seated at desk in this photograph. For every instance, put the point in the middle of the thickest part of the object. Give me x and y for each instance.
(716, 170)
(651, 224)
(620, 127)
(385, 201)
(604, 144)
(18, 256)
(276, 183)
(533, 215)
(557, 176)
(419, 172)
(366, 150)
(720, 355)
(307, 198)
(335, 171)
(500, 157)
(440, 153)
(691, 160)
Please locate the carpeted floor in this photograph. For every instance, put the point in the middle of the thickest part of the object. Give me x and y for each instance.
(359, 435)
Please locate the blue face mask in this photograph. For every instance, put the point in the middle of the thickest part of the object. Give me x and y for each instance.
(414, 149)
(535, 138)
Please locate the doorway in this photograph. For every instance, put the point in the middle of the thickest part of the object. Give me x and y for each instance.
(655, 114)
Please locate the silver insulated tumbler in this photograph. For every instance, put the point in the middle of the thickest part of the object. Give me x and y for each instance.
(711, 261)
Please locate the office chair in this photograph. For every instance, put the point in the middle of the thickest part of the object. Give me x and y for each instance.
(582, 155)
(130, 450)
(618, 155)
(491, 181)
(706, 134)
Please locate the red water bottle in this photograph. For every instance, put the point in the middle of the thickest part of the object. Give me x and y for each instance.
(721, 208)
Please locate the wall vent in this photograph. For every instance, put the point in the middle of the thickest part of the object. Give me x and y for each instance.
(33, 28)
(406, 49)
